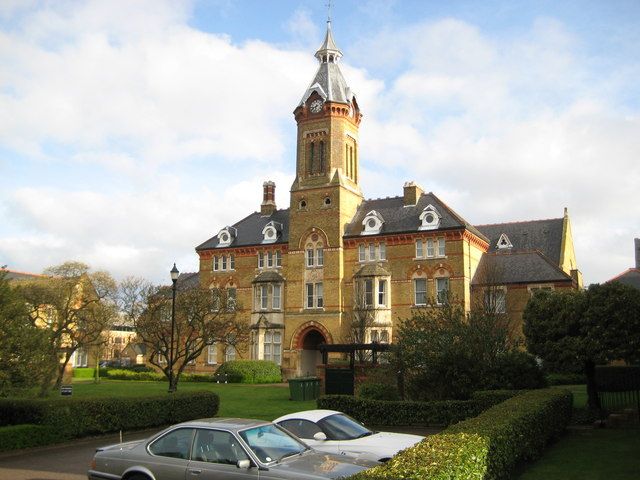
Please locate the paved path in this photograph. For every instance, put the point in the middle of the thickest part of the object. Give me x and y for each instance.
(70, 461)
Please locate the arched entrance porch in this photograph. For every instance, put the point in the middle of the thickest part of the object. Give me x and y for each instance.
(307, 340)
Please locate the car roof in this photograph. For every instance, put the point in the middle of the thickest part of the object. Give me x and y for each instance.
(312, 415)
(226, 423)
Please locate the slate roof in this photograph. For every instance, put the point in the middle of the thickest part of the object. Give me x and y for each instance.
(188, 280)
(400, 219)
(630, 277)
(372, 270)
(249, 230)
(542, 235)
(518, 267)
(268, 277)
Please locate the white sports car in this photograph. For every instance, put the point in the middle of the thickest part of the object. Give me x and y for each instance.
(337, 433)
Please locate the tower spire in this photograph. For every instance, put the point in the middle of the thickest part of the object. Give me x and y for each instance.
(328, 51)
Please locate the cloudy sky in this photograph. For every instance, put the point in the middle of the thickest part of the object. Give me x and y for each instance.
(132, 131)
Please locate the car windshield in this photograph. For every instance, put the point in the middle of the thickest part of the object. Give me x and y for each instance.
(270, 443)
(343, 427)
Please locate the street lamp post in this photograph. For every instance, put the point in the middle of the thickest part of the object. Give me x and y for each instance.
(174, 279)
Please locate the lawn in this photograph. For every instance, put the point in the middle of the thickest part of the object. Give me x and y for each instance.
(264, 402)
(587, 453)
(590, 454)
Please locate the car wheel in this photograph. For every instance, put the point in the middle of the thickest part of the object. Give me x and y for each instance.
(137, 476)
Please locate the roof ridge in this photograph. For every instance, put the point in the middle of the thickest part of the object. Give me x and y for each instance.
(632, 269)
(518, 221)
(22, 273)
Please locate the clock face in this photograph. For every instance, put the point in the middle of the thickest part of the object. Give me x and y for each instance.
(316, 106)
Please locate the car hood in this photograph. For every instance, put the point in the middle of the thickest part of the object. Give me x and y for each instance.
(384, 443)
(323, 465)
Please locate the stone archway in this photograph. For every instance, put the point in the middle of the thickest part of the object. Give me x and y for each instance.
(310, 356)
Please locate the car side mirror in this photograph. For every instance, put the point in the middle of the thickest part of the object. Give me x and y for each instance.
(320, 436)
(244, 464)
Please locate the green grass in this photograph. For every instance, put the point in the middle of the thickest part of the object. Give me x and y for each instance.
(236, 400)
(590, 454)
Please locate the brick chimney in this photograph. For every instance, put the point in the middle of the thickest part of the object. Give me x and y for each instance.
(268, 205)
(636, 241)
(412, 192)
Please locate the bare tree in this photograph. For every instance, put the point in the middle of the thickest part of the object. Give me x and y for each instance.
(74, 305)
(202, 317)
(490, 298)
(362, 316)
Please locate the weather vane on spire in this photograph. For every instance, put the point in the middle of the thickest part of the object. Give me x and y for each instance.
(328, 5)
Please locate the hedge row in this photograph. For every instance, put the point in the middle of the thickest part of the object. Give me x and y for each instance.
(77, 417)
(14, 437)
(251, 371)
(486, 447)
(441, 412)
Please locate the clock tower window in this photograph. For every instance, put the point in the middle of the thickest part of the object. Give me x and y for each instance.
(321, 159)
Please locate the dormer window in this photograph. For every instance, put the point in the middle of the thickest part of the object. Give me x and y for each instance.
(429, 218)
(226, 236)
(504, 242)
(270, 232)
(372, 223)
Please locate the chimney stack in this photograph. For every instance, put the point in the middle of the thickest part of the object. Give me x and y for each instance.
(268, 205)
(412, 192)
(636, 241)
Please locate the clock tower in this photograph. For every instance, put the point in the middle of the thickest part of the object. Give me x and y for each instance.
(325, 193)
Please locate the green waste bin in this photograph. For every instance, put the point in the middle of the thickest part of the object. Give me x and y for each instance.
(296, 389)
(306, 388)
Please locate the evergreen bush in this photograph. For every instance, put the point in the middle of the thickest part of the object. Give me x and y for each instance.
(77, 417)
(486, 447)
(250, 371)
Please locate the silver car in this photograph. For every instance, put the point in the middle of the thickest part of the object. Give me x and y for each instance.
(217, 448)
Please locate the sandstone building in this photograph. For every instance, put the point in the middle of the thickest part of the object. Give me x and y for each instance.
(298, 273)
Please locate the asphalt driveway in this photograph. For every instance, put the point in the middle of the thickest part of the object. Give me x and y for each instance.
(70, 461)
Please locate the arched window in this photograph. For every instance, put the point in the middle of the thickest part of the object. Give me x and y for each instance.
(321, 160)
(312, 151)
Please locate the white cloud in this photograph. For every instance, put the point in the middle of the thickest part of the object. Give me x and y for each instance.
(185, 126)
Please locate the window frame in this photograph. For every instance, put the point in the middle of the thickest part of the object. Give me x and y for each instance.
(439, 300)
(382, 292)
(416, 291)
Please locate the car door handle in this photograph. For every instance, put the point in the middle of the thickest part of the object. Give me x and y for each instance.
(195, 471)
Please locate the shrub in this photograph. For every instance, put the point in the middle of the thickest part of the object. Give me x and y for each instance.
(566, 379)
(76, 417)
(515, 370)
(121, 374)
(437, 412)
(251, 371)
(488, 446)
(378, 391)
(196, 377)
(84, 372)
(13, 437)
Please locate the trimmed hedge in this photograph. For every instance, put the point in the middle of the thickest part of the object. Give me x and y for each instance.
(486, 447)
(13, 437)
(77, 417)
(250, 371)
(566, 378)
(122, 374)
(437, 412)
(84, 372)
(378, 391)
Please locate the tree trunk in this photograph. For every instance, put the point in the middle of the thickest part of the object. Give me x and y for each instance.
(593, 402)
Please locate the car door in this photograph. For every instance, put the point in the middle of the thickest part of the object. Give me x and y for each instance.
(215, 456)
(169, 454)
(306, 429)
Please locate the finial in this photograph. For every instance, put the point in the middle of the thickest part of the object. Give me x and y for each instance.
(328, 5)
